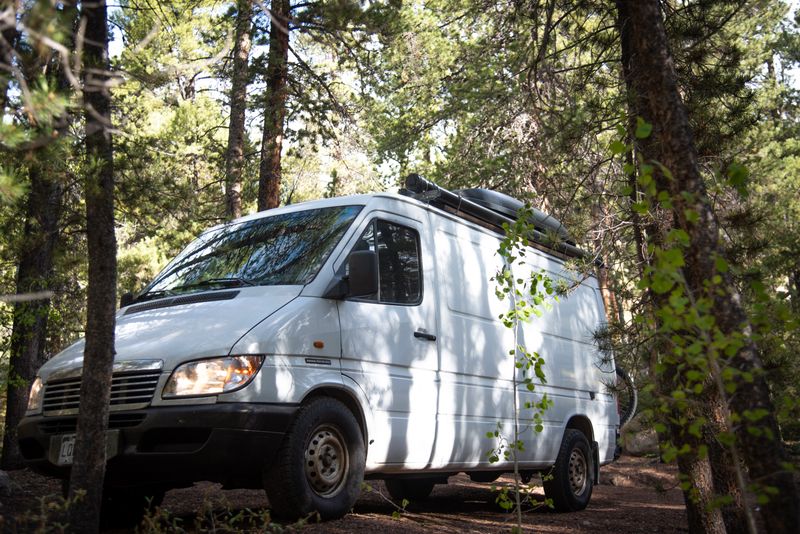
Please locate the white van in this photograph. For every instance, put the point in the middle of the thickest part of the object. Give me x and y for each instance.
(305, 348)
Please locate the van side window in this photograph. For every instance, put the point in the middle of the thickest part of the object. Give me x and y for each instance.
(399, 273)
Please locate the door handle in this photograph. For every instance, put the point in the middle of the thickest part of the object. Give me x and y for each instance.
(421, 334)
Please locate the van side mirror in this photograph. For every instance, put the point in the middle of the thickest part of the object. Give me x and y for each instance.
(126, 299)
(363, 273)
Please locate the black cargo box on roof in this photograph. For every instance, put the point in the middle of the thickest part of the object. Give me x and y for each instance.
(510, 206)
(492, 209)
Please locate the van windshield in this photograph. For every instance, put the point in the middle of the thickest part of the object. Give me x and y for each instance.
(287, 249)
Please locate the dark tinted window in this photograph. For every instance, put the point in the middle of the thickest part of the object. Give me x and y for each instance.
(281, 249)
(400, 279)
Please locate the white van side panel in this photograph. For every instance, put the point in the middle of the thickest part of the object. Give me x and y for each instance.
(475, 385)
(576, 373)
(476, 368)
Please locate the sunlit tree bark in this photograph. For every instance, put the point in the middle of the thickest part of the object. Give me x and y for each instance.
(269, 172)
(234, 156)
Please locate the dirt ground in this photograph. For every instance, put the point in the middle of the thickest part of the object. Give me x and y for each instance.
(635, 495)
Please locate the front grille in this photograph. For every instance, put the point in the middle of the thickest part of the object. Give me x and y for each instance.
(67, 425)
(130, 388)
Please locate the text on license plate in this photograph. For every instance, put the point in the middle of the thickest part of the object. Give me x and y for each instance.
(62, 448)
(66, 450)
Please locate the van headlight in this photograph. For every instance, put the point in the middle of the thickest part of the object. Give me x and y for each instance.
(36, 395)
(212, 376)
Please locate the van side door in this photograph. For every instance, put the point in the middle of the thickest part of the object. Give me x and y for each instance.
(389, 345)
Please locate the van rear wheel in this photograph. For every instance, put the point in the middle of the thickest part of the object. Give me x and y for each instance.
(570, 481)
(320, 465)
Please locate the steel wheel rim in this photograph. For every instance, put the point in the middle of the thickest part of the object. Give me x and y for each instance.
(326, 461)
(578, 472)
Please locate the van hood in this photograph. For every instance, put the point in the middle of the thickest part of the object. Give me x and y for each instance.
(179, 332)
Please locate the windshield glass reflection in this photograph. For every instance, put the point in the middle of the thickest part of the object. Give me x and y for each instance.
(287, 249)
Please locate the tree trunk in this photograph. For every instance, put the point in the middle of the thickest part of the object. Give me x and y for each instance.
(8, 38)
(269, 172)
(713, 475)
(234, 156)
(35, 263)
(88, 470)
(794, 290)
(653, 79)
(29, 331)
(609, 298)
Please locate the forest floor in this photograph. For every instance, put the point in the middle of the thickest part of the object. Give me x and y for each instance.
(635, 495)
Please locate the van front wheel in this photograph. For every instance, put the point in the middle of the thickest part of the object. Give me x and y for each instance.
(320, 466)
(569, 483)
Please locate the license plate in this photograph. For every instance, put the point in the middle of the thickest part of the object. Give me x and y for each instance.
(62, 448)
(66, 449)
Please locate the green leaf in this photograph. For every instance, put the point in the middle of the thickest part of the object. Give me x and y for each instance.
(618, 147)
(641, 207)
(643, 128)
(737, 177)
(661, 284)
(694, 376)
(755, 415)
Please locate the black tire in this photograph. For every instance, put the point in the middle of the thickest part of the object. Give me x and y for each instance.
(571, 479)
(320, 465)
(627, 397)
(413, 489)
(125, 507)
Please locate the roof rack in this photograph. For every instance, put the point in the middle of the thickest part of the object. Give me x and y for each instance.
(491, 210)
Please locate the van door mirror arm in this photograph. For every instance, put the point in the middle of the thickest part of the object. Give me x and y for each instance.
(361, 280)
(337, 289)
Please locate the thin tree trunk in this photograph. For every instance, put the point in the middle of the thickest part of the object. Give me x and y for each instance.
(655, 82)
(88, 470)
(29, 332)
(234, 156)
(269, 172)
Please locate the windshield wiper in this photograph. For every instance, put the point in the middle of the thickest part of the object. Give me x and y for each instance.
(224, 282)
(150, 295)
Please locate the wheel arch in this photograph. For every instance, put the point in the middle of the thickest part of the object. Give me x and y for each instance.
(346, 397)
(582, 424)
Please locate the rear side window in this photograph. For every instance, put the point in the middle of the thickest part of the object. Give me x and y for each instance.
(399, 270)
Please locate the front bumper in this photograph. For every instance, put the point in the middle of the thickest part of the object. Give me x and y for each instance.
(174, 446)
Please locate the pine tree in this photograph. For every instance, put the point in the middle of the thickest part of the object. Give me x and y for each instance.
(653, 81)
